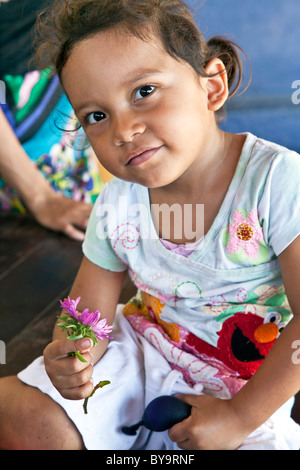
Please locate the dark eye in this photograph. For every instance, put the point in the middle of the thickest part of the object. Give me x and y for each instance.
(143, 92)
(94, 118)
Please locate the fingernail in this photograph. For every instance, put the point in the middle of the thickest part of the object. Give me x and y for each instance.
(86, 343)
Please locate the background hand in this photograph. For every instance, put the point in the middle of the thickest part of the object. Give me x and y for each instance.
(62, 214)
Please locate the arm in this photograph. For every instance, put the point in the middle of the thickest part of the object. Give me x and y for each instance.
(224, 424)
(99, 289)
(278, 379)
(50, 209)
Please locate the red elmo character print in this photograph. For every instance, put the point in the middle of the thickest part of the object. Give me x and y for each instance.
(244, 342)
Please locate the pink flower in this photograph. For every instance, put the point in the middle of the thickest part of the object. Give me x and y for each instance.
(70, 306)
(102, 330)
(83, 324)
(245, 234)
(91, 319)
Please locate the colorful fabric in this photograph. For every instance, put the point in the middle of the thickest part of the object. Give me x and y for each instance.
(138, 373)
(172, 341)
(226, 300)
(44, 122)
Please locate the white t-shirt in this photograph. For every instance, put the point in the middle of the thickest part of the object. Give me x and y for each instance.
(232, 280)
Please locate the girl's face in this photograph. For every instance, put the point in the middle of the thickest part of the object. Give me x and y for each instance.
(145, 113)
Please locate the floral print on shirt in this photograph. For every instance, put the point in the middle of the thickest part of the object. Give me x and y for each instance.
(244, 238)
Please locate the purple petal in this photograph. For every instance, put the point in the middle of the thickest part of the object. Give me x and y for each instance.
(89, 318)
(92, 319)
(95, 317)
(84, 315)
(70, 306)
(102, 330)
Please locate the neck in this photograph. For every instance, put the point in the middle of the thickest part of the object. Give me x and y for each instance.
(203, 174)
(206, 185)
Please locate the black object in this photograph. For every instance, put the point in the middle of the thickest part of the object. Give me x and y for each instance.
(161, 414)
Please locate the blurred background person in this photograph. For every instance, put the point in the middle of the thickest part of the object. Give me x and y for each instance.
(46, 164)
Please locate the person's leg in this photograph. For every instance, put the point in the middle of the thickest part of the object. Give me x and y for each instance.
(31, 420)
(118, 404)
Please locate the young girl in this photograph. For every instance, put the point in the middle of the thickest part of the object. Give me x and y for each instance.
(216, 317)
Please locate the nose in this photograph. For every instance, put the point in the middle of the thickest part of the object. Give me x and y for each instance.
(266, 332)
(127, 126)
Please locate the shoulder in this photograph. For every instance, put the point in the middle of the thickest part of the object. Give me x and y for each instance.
(120, 203)
(265, 154)
(277, 182)
(115, 189)
(268, 163)
(272, 176)
(115, 185)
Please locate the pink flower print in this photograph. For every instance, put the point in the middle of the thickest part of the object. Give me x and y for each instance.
(245, 233)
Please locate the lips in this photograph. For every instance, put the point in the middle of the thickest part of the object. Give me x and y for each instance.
(141, 155)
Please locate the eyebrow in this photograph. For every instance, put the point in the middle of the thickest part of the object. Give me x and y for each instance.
(138, 75)
(141, 74)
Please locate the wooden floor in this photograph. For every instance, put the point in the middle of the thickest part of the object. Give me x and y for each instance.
(37, 269)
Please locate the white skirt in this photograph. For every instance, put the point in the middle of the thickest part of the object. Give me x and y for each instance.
(139, 373)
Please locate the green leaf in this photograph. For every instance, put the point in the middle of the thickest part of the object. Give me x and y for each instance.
(73, 338)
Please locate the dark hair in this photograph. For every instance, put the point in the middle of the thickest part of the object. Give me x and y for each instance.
(70, 21)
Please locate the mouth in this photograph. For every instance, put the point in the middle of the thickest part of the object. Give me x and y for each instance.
(243, 349)
(140, 156)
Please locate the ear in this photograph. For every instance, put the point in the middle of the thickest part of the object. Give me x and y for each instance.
(217, 84)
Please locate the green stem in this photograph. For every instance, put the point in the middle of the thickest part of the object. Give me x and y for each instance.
(77, 354)
(101, 384)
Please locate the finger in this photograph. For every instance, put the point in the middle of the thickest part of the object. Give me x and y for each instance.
(76, 379)
(61, 348)
(178, 432)
(68, 366)
(78, 208)
(86, 208)
(70, 231)
(186, 445)
(82, 345)
(189, 399)
(79, 214)
(78, 393)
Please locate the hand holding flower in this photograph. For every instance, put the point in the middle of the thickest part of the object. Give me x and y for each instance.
(78, 325)
(83, 324)
(70, 376)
